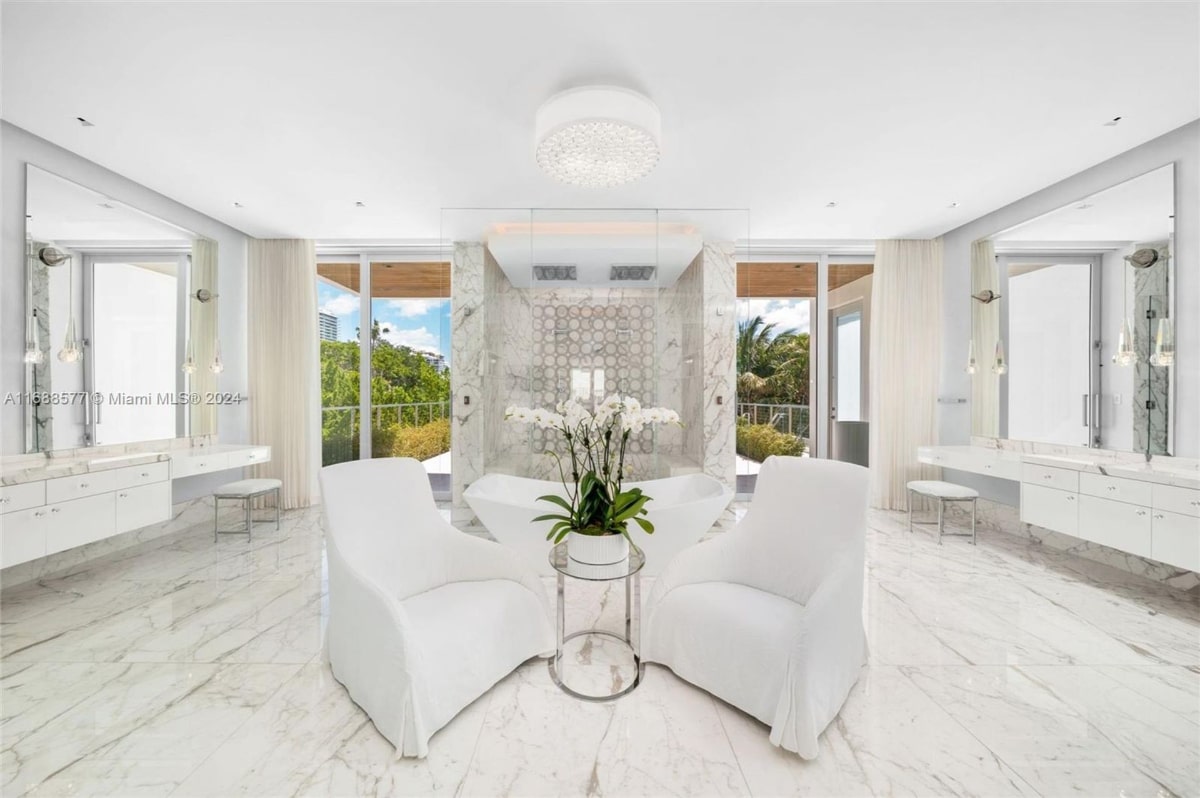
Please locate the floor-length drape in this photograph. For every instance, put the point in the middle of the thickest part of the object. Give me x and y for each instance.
(985, 331)
(906, 345)
(284, 364)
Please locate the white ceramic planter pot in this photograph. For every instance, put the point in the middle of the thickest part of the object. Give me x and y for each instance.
(597, 549)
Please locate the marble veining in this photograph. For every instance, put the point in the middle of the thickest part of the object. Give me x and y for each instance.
(185, 667)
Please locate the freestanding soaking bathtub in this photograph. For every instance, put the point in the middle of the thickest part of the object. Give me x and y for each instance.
(682, 509)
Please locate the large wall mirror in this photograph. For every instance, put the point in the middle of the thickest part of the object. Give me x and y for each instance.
(121, 321)
(1072, 323)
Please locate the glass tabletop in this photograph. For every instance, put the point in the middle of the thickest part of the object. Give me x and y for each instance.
(560, 562)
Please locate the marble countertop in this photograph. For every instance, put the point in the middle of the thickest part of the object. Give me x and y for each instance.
(19, 469)
(27, 469)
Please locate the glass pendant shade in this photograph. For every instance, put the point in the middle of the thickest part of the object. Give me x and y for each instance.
(971, 365)
(1164, 345)
(189, 359)
(33, 350)
(1000, 365)
(1125, 355)
(216, 367)
(70, 351)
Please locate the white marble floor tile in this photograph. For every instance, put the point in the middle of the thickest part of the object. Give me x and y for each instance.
(187, 667)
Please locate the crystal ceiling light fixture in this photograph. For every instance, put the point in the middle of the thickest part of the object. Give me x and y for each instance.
(598, 136)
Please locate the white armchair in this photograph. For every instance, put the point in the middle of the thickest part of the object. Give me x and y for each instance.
(423, 619)
(768, 617)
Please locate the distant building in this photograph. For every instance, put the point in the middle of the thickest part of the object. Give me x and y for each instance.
(327, 325)
(434, 359)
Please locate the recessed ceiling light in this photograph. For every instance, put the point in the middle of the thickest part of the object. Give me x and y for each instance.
(105, 205)
(360, 205)
(1112, 122)
(238, 205)
(830, 204)
(84, 122)
(1083, 207)
(952, 205)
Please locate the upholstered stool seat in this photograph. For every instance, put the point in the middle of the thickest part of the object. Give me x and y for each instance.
(245, 491)
(943, 492)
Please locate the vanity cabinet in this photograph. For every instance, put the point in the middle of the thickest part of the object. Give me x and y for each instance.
(1141, 515)
(1115, 524)
(1176, 539)
(1050, 508)
(55, 513)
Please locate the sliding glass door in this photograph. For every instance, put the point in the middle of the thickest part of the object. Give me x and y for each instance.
(385, 360)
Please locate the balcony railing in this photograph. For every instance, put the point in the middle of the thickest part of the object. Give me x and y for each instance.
(340, 429)
(792, 419)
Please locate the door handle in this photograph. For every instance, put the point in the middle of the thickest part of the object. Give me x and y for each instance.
(1087, 402)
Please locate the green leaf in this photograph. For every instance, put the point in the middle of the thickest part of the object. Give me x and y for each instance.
(552, 517)
(646, 526)
(559, 500)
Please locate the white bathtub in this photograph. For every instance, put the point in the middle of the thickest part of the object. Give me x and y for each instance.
(682, 509)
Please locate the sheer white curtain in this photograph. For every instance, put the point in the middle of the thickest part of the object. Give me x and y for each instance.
(285, 402)
(906, 346)
(985, 331)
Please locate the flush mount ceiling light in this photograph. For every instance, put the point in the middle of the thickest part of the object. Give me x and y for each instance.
(598, 136)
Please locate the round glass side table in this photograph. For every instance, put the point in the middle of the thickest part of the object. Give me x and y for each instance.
(629, 570)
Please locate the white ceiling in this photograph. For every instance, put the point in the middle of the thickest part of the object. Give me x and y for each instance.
(1141, 209)
(893, 110)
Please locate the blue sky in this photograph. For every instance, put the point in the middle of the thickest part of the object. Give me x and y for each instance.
(417, 323)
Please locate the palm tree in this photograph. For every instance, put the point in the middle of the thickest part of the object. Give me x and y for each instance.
(759, 346)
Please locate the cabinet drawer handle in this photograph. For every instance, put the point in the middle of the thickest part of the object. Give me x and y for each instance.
(39, 513)
(145, 473)
(1047, 476)
(83, 484)
(1196, 503)
(55, 510)
(122, 495)
(1159, 516)
(5, 499)
(1112, 487)
(1141, 512)
(1071, 497)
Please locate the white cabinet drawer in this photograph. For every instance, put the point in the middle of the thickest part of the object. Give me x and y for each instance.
(80, 521)
(1050, 509)
(189, 465)
(1176, 540)
(142, 506)
(1122, 490)
(133, 476)
(1115, 524)
(1177, 500)
(23, 535)
(76, 487)
(23, 496)
(257, 454)
(1047, 477)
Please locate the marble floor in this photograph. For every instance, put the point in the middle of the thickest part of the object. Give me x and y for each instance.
(187, 668)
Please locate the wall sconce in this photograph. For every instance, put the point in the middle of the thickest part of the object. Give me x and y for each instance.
(203, 296)
(1164, 344)
(971, 365)
(987, 296)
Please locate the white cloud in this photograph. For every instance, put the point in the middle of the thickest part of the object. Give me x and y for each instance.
(414, 307)
(341, 305)
(786, 314)
(420, 338)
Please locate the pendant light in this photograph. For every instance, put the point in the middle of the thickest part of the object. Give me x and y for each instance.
(1125, 355)
(33, 350)
(1000, 365)
(70, 352)
(1164, 344)
(216, 367)
(189, 358)
(971, 364)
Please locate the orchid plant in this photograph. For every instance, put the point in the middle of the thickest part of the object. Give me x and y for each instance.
(596, 441)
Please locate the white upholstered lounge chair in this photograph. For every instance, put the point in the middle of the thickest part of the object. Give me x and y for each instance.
(423, 619)
(768, 617)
